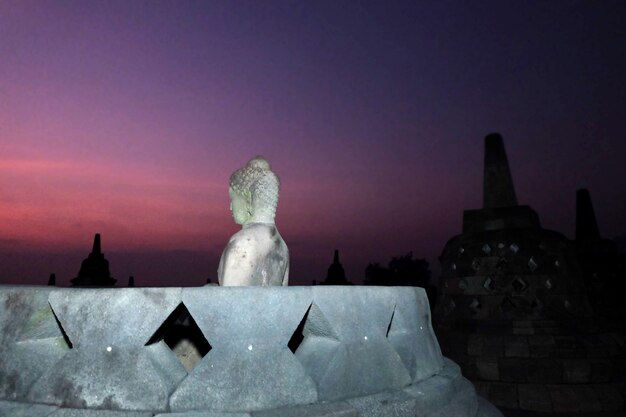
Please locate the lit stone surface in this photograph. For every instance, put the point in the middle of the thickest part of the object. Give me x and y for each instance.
(109, 365)
(362, 352)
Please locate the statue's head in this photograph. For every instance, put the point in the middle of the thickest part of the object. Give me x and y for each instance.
(254, 192)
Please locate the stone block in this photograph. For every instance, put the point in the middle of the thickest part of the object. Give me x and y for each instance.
(564, 399)
(541, 346)
(516, 346)
(576, 371)
(335, 409)
(534, 397)
(249, 366)
(486, 409)
(205, 414)
(601, 370)
(31, 341)
(411, 334)
(482, 388)
(513, 370)
(588, 399)
(487, 370)
(493, 346)
(397, 404)
(545, 370)
(523, 331)
(431, 394)
(109, 366)
(346, 350)
(503, 394)
(609, 396)
(475, 345)
(74, 412)
(452, 410)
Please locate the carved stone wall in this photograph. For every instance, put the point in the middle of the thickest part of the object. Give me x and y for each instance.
(312, 351)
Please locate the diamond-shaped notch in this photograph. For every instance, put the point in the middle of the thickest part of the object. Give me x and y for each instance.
(490, 284)
(519, 285)
(475, 264)
(532, 264)
(298, 335)
(475, 306)
(183, 336)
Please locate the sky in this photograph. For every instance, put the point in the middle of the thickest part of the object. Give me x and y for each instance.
(127, 119)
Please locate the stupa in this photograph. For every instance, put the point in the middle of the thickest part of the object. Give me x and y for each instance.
(513, 310)
(94, 271)
(336, 274)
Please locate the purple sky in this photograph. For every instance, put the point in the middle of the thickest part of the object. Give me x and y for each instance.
(127, 118)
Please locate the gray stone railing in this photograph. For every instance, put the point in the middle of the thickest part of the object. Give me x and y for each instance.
(271, 347)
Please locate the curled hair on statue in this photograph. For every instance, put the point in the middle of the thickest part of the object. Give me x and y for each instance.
(259, 184)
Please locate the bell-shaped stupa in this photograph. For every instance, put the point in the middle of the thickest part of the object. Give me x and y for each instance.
(94, 271)
(514, 312)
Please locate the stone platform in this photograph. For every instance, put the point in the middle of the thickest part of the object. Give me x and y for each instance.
(277, 351)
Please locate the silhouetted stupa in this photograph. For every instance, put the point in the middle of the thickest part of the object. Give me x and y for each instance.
(94, 271)
(336, 275)
(513, 309)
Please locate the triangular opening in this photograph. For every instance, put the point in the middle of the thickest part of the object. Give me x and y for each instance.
(298, 335)
(183, 336)
(390, 322)
(67, 340)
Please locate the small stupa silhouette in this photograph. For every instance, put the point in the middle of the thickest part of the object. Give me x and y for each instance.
(94, 271)
(336, 274)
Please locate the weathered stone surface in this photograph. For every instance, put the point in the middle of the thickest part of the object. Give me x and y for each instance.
(335, 409)
(205, 414)
(486, 409)
(361, 337)
(410, 333)
(15, 409)
(72, 412)
(431, 394)
(397, 404)
(109, 367)
(345, 349)
(249, 366)
(30, 339)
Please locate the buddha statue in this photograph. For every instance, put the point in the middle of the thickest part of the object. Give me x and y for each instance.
(257, 254)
